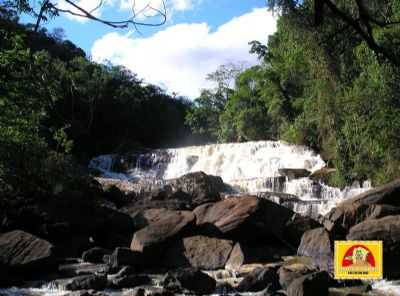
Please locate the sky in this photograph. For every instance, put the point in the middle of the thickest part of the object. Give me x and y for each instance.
(198, 37)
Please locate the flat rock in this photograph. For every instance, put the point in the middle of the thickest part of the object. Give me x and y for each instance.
(294, 173)
(84, 282)
(78, 269)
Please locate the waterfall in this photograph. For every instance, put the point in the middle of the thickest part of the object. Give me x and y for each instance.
(253, 167)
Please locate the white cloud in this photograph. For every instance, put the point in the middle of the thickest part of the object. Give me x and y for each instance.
(181, 56)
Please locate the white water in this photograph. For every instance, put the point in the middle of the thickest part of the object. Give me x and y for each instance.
(248, 167)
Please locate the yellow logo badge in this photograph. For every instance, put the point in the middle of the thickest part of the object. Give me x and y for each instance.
(358, 260)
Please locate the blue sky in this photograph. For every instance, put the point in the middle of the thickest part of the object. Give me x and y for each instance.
(199, 36)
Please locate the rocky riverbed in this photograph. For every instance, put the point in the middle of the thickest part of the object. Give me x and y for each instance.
(188, 238)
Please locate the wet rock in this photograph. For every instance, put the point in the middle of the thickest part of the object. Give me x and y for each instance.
(243, 254)
(317, 243)
(149, 291)
(190, 279)
(85, 282)
(243, 218)
(386, 229)
(124, 256)
(77, 269)
(129, 281)
(95, 255)
(22, 252)
(294, 173)
(260, 279)
(153, 237)
(322, 175)
(350, 291)
(200, 252)
(310, 285)
(86, 293)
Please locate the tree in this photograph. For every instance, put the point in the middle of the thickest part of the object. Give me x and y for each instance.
(362, 18)
(47, 9)
(203, 119)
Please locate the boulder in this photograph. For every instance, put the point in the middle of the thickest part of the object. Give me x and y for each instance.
(201, 187)
(95, 255)
(342, 218)
(296, 226)
(124, 256)
(363, 206)
(243, 218)
(243, 254)
(290, 271)
(386, 229)
(313, 284)
(154, 237)
(84, 282)
(144, 217)
(318, 245)
(200, 252)
(294, 173)
(191, 279)
(22, 252)
(260, 279)
(183, 193)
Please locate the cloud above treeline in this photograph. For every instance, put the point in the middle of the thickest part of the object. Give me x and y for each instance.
(180, 56)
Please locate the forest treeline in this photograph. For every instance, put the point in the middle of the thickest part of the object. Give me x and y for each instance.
(56, 104)
(327, 87)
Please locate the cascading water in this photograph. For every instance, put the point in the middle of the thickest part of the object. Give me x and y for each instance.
(252, 167)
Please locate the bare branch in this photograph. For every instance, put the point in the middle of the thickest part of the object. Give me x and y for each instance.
(90, 14)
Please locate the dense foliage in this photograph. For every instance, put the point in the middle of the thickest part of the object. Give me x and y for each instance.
(56, 104)
(324, 87)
